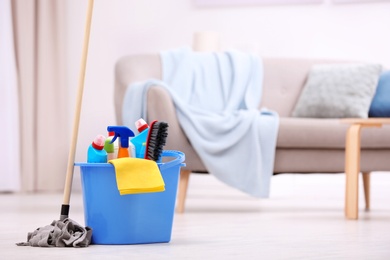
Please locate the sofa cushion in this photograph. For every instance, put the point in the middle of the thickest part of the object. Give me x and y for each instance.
(329, 133)
(380, 105)
(338, 90)
(284, 79)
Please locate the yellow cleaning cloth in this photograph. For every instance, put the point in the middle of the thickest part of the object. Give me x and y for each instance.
(134, 175)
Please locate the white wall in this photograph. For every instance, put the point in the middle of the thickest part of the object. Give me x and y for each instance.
(119, 27)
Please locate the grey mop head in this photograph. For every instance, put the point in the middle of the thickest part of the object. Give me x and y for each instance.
(60, 233)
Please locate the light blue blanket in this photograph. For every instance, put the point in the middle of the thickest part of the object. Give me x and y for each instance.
(216, 96)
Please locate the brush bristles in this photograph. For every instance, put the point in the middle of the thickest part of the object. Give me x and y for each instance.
(158, 134)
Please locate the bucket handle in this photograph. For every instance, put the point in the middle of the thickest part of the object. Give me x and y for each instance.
(180, 157)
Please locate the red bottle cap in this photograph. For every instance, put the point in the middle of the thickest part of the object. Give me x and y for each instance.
(98, 142)
(141, 125)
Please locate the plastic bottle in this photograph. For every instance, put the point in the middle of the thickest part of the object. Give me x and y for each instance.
(132, 150)
(111, 147)
(139, 140)
(96, 153)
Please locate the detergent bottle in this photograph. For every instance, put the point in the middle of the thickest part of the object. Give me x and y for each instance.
(139, 140)
(124, 133)
(96, 153)
(111, 147)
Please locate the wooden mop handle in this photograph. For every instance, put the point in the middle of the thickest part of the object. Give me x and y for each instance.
(76, 121)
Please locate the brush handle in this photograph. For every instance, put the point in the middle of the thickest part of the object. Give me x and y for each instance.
(76, 120)
(148, 140)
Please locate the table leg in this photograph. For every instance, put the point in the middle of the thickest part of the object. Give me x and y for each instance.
(366, 186)
(352, 169)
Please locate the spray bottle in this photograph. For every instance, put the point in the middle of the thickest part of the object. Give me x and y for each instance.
(96, 153)
(124, 133)
(139, 140)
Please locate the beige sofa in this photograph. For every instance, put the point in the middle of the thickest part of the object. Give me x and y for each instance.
(303, 145)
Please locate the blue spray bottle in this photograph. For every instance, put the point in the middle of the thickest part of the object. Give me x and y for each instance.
(96, 153)
(139, 140)
(123, 133)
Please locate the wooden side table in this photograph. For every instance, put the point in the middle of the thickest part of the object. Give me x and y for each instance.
(352, 162)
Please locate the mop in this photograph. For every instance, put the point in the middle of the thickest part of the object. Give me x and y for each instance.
(66, 232)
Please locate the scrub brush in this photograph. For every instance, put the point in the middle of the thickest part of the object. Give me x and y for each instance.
(157, 136)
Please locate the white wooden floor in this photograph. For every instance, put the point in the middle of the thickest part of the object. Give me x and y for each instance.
(303, 219)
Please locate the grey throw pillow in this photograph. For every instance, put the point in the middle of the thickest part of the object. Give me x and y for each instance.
(338, 90)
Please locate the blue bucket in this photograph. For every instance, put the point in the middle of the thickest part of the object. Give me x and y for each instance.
(129, 219)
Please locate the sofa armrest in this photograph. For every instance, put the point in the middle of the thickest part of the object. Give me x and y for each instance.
(160, 107)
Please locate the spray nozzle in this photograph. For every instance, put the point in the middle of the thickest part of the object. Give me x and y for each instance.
(123, 133)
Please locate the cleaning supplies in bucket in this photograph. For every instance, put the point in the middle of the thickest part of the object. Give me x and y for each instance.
(129, 219)
(135, 175)
(131, 200)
